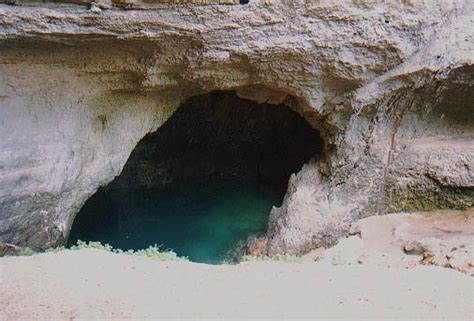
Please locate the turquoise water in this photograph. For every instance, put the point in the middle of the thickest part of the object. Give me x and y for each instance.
(202, 221)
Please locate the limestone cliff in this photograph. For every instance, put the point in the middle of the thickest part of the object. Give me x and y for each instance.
(388, 85)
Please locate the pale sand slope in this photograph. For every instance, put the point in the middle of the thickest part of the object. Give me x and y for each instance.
(88, 284)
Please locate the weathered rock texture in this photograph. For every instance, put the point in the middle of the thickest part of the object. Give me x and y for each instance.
(388, 85)
(443, 238)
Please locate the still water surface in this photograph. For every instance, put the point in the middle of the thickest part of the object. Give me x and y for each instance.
(201, 221)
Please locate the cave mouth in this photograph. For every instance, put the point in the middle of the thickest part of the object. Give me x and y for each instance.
(204, 182)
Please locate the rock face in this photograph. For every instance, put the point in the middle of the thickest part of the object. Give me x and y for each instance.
(443, 238)
(388, 86)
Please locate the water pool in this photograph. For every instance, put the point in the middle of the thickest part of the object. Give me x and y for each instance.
(201, 221)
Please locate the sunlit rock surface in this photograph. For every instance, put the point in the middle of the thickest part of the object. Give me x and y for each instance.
(442, 238)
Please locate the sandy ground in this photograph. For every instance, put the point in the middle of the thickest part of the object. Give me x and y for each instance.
(90, 284)
(400, 266)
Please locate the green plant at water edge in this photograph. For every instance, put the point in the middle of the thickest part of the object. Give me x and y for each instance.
(153, 251)
(25, 251)
(55, 249)
(279, 257)
(92, 245)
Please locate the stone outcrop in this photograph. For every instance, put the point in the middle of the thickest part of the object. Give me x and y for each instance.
(388, 85)
(443, 238)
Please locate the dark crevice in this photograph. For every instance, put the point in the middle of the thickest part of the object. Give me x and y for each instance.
(221, 136)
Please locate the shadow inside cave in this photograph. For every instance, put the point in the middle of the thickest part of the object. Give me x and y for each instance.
(203, 182)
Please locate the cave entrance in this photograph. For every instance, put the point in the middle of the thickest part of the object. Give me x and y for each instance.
(203, 182)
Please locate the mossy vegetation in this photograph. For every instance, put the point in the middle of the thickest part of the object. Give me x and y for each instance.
(25, 251)
(153, 251)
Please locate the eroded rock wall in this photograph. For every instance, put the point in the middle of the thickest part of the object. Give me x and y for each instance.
(388, 85)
